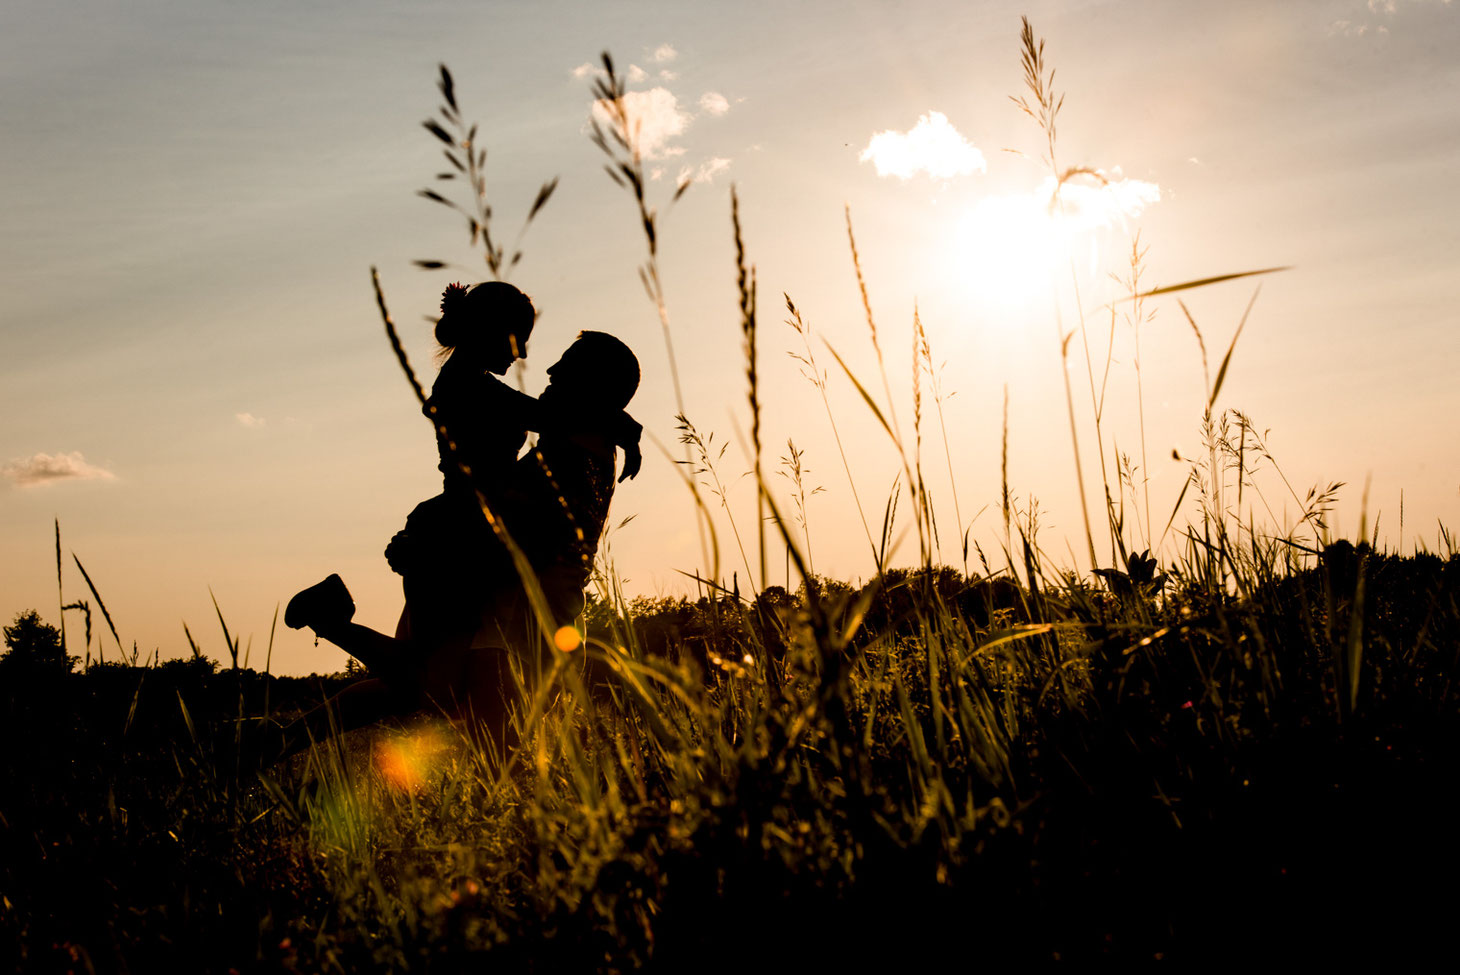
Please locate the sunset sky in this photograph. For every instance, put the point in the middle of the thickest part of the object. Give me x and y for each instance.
(195, 381)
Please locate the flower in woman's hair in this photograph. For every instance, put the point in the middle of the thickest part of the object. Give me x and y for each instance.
(451, 297)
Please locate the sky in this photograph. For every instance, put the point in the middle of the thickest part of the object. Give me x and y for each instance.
(195, 383)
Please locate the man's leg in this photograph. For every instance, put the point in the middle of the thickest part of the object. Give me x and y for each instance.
(362, 703)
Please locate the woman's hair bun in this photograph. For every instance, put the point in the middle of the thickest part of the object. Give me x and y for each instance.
(484, 309)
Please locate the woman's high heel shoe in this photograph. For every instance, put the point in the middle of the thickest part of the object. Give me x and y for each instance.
(322, 604)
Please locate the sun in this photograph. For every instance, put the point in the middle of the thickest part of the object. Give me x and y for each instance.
(1016, 250)
(1008, 250)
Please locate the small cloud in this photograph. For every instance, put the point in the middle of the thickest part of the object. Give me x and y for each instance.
(584, 70)
(666, 75)
(654, 117)
(249, 420)
(933, 146)
(1088, 205)
(1193, 160)
(664, 53)
(1382, 10)
(656, 174)
(1082, 205)
(714, 103)
(49, 468)
(1009, 243)
(636, 74)
(705, 172)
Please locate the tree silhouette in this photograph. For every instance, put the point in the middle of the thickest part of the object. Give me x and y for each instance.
(33, 649)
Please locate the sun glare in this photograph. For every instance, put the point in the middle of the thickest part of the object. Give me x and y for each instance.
(1007, 247)
(1011, 249)
(405, 760)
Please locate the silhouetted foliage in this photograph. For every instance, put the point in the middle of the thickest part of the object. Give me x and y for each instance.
(33, 650)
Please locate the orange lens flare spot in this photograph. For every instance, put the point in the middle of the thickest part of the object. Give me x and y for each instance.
(567, 639)
(405, 761)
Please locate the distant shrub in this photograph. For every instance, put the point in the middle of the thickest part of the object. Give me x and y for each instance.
(33, 650)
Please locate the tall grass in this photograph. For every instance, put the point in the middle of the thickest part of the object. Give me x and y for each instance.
(1181, 756)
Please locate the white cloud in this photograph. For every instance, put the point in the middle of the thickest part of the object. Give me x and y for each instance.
(666, 75)
(933, 146)
(654, 116)
(1008, 245)
(1088, 204)
(635, 74)
(1384, 9)
(1038, 219)
(705, 172)
(1389, 8)
(249, 420)
(584, 70)
(714, 103)
(49, 468)
(664, 53)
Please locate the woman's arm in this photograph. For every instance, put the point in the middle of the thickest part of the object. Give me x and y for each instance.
(548, 417)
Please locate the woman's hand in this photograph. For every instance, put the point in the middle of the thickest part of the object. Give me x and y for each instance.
(399, 551)
(633, 460)
(626, 435)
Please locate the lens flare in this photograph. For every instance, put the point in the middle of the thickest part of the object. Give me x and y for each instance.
(405, 760)
(568, 639)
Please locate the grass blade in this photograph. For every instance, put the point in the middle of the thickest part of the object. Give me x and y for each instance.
(228, 640)
(1227, 359)
(60, 592)
(1203, 282)
(1174, 508)
(105, 615)
(866, 396)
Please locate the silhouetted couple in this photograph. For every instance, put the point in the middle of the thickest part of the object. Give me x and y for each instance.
(466, 605)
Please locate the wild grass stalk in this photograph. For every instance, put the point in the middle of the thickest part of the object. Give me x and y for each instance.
(1136, 318)
(618, 136)
(79, 605)
(745, 285)
(934, 374)
(1045, 109)
(817, 377)
(1113, 524)
(61, 592)
(925, 505)
(889, 422)
(468, 161)
(703, 459)
(105, 614)
(1004, 504)
(794, 471)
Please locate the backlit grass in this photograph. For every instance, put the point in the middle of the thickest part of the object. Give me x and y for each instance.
(1244, 740)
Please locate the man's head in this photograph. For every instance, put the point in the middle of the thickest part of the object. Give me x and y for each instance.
(597, 371)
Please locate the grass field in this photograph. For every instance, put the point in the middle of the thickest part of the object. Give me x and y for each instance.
(1241, 748)
(1010, 773)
